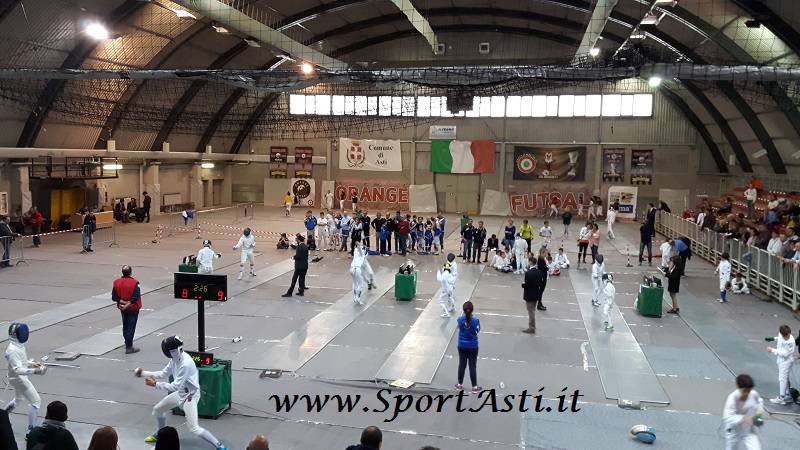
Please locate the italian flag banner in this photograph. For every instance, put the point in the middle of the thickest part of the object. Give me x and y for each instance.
(462, 156)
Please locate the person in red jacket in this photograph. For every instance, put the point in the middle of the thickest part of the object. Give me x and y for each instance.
(128, 296)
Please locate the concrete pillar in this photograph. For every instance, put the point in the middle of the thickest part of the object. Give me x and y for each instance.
(21, 196)
(208, 193)
(227, 185)
(196, 187)
(153, 187)
(413, 177)
(328, 161)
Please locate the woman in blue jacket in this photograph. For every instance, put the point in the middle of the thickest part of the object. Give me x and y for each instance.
(468, 328)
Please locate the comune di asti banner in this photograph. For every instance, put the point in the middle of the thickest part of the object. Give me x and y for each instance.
(303, 190)
(370, 154)
(375, 195)
(551, 164)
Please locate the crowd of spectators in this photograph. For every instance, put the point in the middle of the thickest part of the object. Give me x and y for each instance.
(774, 229)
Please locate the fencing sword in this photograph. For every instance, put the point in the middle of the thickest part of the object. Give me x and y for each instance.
(49, 364)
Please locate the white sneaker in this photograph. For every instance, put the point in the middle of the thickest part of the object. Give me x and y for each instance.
(721, 301)
(777, 401)
(444, 314)
(240, 276)
(358, 301)
(595, 303)
(252, 274)
(608, 326)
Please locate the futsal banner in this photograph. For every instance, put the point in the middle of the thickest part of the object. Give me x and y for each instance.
(552, 164)
(303, 190)
(613, 165)
(528, 204)
(641, 167)
(375, 194)
(277, 162)
(302, 162)
(369, 154)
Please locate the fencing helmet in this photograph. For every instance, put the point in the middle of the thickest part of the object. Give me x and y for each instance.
(207, 243)
(446, 266)
(170, 345)
(246, 232)
(643, 433)
(451, 257)
(608, 277)
(599, 259)
(19, 332)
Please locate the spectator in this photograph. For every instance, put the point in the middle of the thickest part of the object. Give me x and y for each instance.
(491, 245)
(646, 242)
(526, 231)
(684, 253)
(119, 212)
(34, 220)
(168, 439)
(7, 440)
(371, 439)
(726, 207)
(89, 227)
(366, 223)
(146, 201)
(300, 268)
(288, 201)
(510, 232)
(52, 434)
(566, 219)
(403, 230)
(354, 200)
(541, 264)
(478, 238)
(651, 216)
(127, 294)
(468, 329)
(795, 258)
(342, 196)
(532, 293)
(594, 241)
(259, 442)
(6, 237)
(104, 438)
(673, 274)
(131, 207)
(750, 195)
(775, 245)
(663, 206)
(310, 223)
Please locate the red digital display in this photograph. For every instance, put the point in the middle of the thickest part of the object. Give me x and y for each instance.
(201, 358)
(193, 286)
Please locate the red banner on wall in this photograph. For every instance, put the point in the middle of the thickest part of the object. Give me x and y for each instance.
(531, 203)
(302, 162)
(374, 194)
(277, 162)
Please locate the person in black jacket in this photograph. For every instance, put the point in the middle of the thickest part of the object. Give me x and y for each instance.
(467, 236)
(89, 227)
(533, 287)
(646, 242)
(7, 441)
(371, 439)
(541, 264)
(52, 434)
(146, 205)
(651, 216)
(492, 244)
(673, 274)
(7, 236)
(300, 267)
(478, 238)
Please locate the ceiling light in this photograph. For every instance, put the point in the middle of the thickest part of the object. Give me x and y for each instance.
(252, 42)
(219, 28)
(207, 165)
(663, 2)
(759, 154)
(307, 68)
(97, 31)
(183, 13)
(594, 51)
(654, 81)
(112, 166)
(638, 34)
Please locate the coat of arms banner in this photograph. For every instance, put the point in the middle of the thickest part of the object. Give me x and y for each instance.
(370, 154)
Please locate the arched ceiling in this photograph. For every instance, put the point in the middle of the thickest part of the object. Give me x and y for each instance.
(47, 34)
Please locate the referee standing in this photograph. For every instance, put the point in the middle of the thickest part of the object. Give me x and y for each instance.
(128, 296)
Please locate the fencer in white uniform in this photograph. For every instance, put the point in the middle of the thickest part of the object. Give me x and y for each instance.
(451, 258)
(607, 297)
(184, 390)
(666, 252)
(499, 261)
(19, 367)
(598, 269)
(448, 281)
(741, 416)
(739, 285)
(561, 260)
(357, 269)
(521, 254)
(611, 217)
(246, 242)
(206, 257)
(322, 232)
(784, 352)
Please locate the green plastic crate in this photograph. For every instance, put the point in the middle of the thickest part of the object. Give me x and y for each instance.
(187, 268)
(649, 301)
(216, 386)
(405, 286)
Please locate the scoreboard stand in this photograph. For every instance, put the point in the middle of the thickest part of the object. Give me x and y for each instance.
(216, 378)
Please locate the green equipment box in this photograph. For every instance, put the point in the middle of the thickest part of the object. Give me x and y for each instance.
(216, 385)
(405, 286)
(649, 300)
(187, 268)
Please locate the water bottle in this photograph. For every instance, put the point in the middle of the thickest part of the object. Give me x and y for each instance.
(770, 338)
(236, 339)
